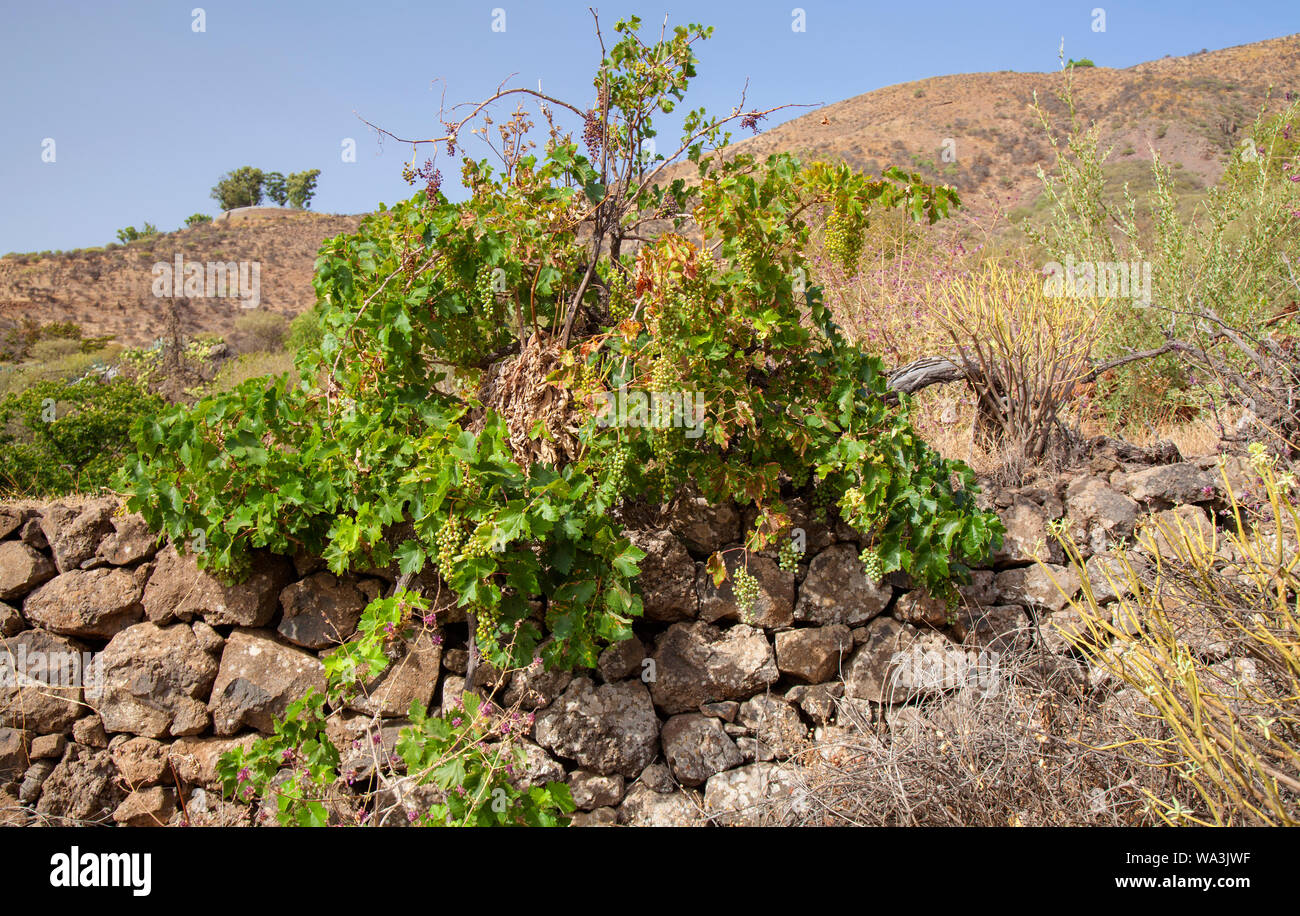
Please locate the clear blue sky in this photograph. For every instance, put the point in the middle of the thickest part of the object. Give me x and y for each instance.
(146, 113)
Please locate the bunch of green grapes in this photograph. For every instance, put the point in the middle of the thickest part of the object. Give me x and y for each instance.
(482, 287)
(843, 240)
(615, 482)
(486, 294)
(790, 554)
(663, 442)
(662, 375)
(745, 587)
(747, 258)
(872, 568)
(479, 542)
(449, 540)
(489, 626)
(621, 301)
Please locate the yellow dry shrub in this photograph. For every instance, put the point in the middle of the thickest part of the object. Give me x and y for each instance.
(1206, 632)
(1025, 353)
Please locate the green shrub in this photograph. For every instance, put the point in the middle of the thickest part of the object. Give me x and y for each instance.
(276, 189)
(516, 501)
(58, 438)
(502, 471)
(261, 330)
(235, 372)
(197, 219)
(300, 188)
(132, 234)
(304, 332)
(53, 348)
(240, 188)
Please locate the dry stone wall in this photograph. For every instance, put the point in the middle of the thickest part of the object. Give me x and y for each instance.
(125, 671)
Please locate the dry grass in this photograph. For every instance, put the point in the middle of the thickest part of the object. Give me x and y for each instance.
(1025, 750)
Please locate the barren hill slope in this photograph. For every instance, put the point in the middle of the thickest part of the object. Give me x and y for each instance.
(109, 290)
(1192, 110)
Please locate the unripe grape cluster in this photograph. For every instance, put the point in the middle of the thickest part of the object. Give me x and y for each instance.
(449, 539)
(616, 479)
(843, 238)
(486, 294)
(745, 587)
(872, 568)
(489, 626)
(621, 301)
(790, 554)
(748, 257)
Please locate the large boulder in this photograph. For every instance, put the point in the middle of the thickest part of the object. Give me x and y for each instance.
(1026, 534)
(179, 590)
(195, 759)
(41, 680)
(836, 590)
(704, 528)
(259, 677)
(156, 682)
(141, 762)
(748, 796)
(320, 611)
(607, 729)
(534, 687)
(74, 533)
(667, 580)
(12, 518)
(1044, 586)
(94, 603)
(591, 790)
(15, 753)
(623, 659)
(644, 807)
(873, 671)
(11, 621)
(130, 542)
(696, 747)
(774, 606)
(1170, 485)
(812, 654)
(1099, 516)
(151, 807)
(22, 569)
(410, 678)
(775, 724)
(698, 663)
(999, 628)
(83, 788)
(918, 606)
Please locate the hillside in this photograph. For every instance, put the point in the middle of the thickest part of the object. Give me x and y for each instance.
(1192, 110)
(108, 290)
